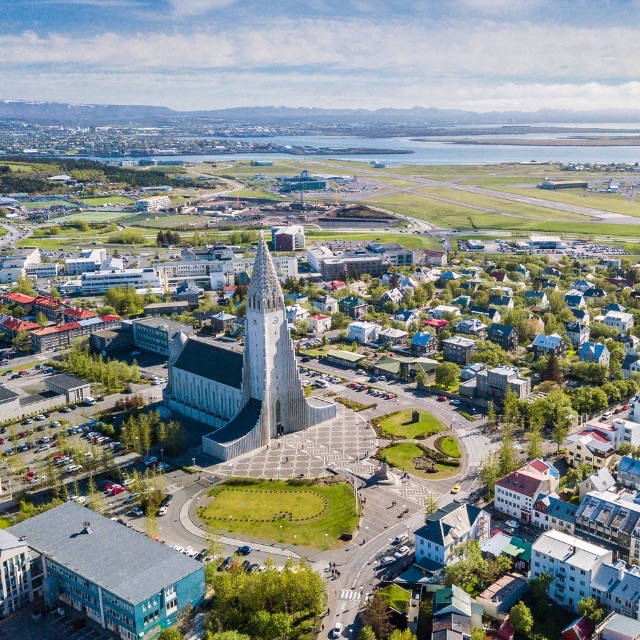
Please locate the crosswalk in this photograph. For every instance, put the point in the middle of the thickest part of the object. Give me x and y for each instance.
(349, 594)
(463, 433)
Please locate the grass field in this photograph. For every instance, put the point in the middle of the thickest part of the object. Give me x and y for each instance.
(98, 202)
(44, 204)
(407, 240)
(291, 512)
(401, 457)
(400, 425)
(94, 216)
(447, 445)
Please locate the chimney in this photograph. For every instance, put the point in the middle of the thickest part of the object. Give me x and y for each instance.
(87, 527)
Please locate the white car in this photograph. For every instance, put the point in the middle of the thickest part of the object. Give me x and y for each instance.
(401, 537)
(162, 511)
(387, 560)
(402, 552)
(336, 632)
(514, 524)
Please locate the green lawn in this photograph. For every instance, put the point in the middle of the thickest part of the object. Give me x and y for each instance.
(44, 204)
(292, 512)
(94, 216)
(99, 201)
(401, 457)
(448, 445)
(397, 597)
(407, 240)
(400, 425)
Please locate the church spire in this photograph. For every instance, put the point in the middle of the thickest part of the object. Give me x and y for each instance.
(264, 292)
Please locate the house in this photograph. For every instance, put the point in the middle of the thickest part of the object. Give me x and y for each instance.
(188, 291)
(437, 325)
(501, 301)
(551, 512)
(591, 447)
(594, 353)
(503, 335)
(438, 312)
(523, 271)
(326, 303)
(498, 598)
(537, 298)
(319, 323)
(462, 301)
(392, 337)
(17, 299)
(582, 315)
(618, 588)
(544, 345)
(454, 614)
(581, 285)
(363, 332)
(512, 547)
(601, 480)
(448, 276)
(619, 432)
(10, 327)
(459, 350)
(403, 367)
(394, 296)
(407, 317)
(629, 473)
(618, 627)
(295, 313)
(424, 343)
(124, 581)
(577, 333)
(572, 561)
(574, 299)
(595, 293)
(611, 520)
(630, 344)
(353, 307)
(434, 258)
(516, 492)
(623, 322)
(51, 307)
(222, 322)
(18, 580)
(471, 327)
(580, 629)
(471, 371)
(447, 527)
(492, 314)
(630, 364)
(345, 358)
(552, 271)
(612, 306)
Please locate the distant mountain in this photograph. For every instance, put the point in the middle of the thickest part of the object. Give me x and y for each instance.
(101, 114)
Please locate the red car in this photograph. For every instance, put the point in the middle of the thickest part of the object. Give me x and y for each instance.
(107, 486)
(441, 398)
(115, 490)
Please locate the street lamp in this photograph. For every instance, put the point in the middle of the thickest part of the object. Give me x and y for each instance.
(194, 461)
(230, 522)
(280, 533)
(326, 540)
(162, 454)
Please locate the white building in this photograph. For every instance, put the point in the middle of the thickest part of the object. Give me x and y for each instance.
(618, 589)
(573, 563)
(441, 309)
(550, 512)
(295, 312)
(15, 266)
(363, 332)
(98, 282)
(623, 322)
(516, 493)
(593, 447)
(450, 526)
(154, 203)
(43, 270)
(326, 303)
(15, 577)
(89, 260)
(319, 323)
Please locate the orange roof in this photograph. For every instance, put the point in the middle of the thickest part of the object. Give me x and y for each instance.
(20, 298)
(14, 324)
(61, 328)
(80, 314)
(109, 318)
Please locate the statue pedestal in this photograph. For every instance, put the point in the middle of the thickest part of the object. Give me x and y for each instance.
(384, 477)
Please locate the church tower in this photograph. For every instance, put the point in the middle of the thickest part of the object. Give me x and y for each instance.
(270, 373)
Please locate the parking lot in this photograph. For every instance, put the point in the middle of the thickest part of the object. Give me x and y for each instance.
(71, 626)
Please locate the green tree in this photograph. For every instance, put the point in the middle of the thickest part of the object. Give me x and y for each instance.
(590, 608)
(41, 319)
(378, 616)
(553, 370)
(227, 635)
(421, 379)
(402, 634)
(477, 633)
(511, 409)
(447, 374)
(25, 285)
(366, 633)
(521, 618)
(469, 567)
(534, 444)
(507, 453)
(22, 341)
(491, 415)
(431, 503)
(489, 474)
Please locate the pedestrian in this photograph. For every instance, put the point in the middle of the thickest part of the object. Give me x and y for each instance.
(322, 629)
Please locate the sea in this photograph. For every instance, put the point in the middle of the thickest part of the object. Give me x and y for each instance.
(435, 151)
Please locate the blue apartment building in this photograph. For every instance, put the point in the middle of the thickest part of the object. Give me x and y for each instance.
(126, 582)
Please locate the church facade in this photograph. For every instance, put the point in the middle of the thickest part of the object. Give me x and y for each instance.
(248, 398)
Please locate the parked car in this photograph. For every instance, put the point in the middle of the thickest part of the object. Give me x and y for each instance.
(162, 511)
(441, 398)
(401, 552)
(401, 537)
(514, 524)
(336, 632)
(245, 550)
(387, 560)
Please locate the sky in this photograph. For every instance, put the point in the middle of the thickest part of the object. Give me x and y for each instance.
(479, 55)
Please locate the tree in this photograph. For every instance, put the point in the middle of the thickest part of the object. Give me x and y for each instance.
(511, 409)
(540, 588)
(470, 566)
(421, 378)
(377, 616)
(25, 285)
(22, 341)
(447, 374)
(507, 454)
(491, 415)
(489, 474)
(431, 503)
(227, 635)
(552, 371)
(41, 319)
(170, 634)
(366, 633)
(478, 633)
(490, 353)
(521, 618)
(558, 412)
(534, 444)
(402, 634)
(590, 608)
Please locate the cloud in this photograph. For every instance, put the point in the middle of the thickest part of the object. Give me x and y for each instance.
(198, 7)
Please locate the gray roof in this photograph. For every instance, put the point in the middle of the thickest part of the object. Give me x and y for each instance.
(622, 625)
(9, 541)
(66, 381)
(212, 362)
(241, 425)
(6, 395)
(630, 465)
(608, 579)
(129, 565)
